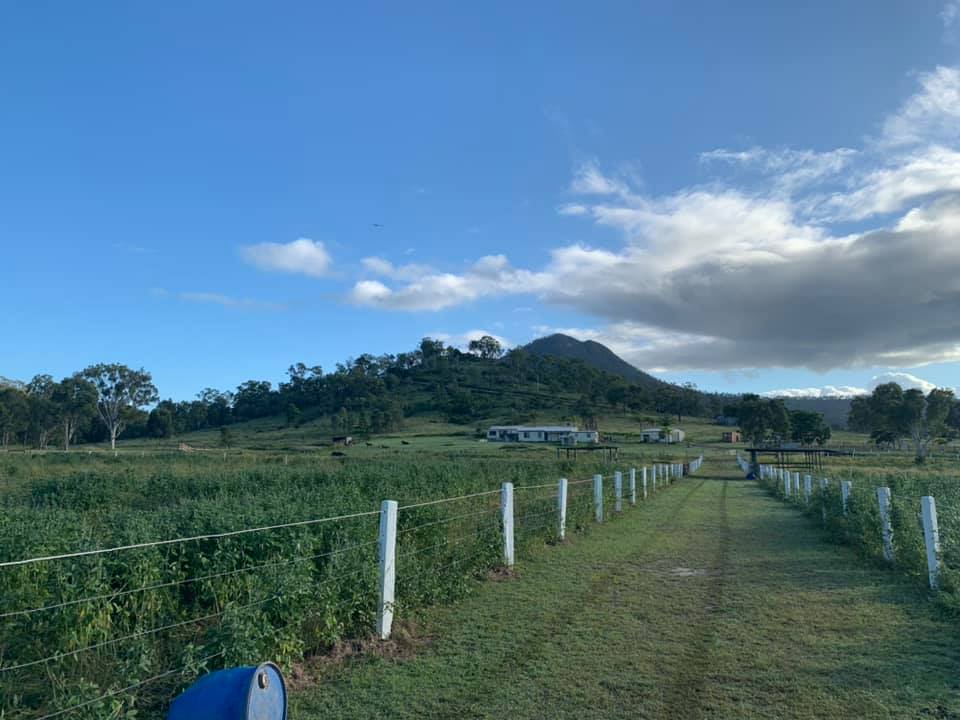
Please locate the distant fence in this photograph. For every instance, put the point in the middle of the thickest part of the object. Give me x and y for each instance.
(895, 520)
(105, 632)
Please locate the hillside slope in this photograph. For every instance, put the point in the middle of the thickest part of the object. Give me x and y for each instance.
(835, 411)
(593, 354)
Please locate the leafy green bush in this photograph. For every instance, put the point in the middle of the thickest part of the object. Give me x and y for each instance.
(861, 525)
(117, 619)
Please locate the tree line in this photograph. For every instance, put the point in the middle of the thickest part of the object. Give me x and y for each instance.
(768, 421)
(894, 416)
(367, 394)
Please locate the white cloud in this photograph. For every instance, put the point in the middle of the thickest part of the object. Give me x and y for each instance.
(789, 169)
(932, 171)
(904, 380)
(303, 256)
(588, 180)
(828, 391)
(370, 292)
(490, 275)
(733, 275)
(931, 115)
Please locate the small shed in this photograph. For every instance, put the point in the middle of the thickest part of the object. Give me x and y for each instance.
(656, 435)
(342, 440)
(732, 436)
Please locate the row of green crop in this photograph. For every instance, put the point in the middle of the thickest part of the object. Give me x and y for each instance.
(111, 621)
(860, 523)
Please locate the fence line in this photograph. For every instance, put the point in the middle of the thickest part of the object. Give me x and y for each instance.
(886, 539)
(174, 541)
(174, 583)
(393, 540)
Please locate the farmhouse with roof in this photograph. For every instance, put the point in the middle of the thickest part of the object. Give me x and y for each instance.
(566, 434)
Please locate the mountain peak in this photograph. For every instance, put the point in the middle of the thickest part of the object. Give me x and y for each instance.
(592, 353)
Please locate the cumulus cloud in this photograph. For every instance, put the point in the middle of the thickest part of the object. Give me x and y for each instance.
(828, 391)
(303, 256)
(734, 275)
(932, 114)
(490, 275)
(904, 380)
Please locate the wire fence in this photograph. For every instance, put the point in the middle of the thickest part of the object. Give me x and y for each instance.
(115, 631)
(909, 521)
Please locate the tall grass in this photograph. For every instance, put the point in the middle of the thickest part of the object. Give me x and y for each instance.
(279, 594)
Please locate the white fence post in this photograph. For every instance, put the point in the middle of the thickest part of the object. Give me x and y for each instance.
(562, 509)
(618, 491)
(388, 567)
(845, 495)
(786, 484)
(598, 497)
(807, 488)
(824, 484)
(633, 486)
(506, 515)
(796, 483)
(883, 500)
(653, 475)
(931, 538)
(644, 483)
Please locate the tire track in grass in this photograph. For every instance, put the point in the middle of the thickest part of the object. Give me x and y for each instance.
(684, 695)
(593, 593)
(598, 595)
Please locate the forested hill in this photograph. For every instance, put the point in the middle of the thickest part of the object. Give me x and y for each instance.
(365, 395)
(593, 354)
(835, 411)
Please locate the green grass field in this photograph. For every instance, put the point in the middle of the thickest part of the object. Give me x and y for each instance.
(711, 600)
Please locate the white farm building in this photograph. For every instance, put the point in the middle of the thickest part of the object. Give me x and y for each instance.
(656, 435)
(567, 434)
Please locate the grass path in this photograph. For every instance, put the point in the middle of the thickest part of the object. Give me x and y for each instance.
(711, 600)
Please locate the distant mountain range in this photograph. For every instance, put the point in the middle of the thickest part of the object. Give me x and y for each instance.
(835, 410)
(7, 382)
(593, 354)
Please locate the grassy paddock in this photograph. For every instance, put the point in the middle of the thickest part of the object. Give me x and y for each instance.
(283, 594)
(709, 601)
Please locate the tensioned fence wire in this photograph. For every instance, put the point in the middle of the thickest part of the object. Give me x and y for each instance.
(461, 542)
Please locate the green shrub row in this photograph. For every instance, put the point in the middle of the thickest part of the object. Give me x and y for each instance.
(279, 594)
(861, 525)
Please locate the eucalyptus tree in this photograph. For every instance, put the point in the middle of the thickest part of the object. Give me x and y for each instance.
(119, 390)
(75, 402)
(42, 412)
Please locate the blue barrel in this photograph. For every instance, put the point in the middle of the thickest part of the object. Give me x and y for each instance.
(243, 693)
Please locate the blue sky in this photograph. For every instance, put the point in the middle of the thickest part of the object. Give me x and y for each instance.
(752, 196)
